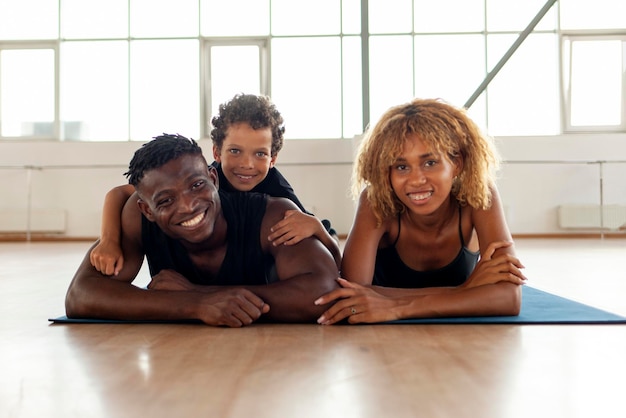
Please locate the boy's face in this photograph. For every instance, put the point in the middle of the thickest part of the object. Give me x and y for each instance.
(245, 155)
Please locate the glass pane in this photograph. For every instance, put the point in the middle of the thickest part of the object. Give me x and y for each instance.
(352, 89)
(27, 92)
(391, 73)
(164, 92)
(226, 18)
(449, 67)
(94, 19)
(507, 15)
(449, 15)
(390, 16)
(234, 69)
(306, 86)
(524, 95)
(94, 90)
(319, 17)
(163, 18)
(596, 84)
(351, 16)
(29, 19)
(597, 14)
(478, 112)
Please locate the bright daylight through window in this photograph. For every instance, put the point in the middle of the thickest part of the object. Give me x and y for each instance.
(119, 70)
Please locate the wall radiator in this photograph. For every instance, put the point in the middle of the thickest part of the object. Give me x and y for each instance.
(41, 220)
(588, 216)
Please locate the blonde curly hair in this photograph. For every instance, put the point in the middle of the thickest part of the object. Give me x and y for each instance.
(446, 130)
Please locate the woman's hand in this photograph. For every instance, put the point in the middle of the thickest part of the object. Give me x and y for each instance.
(358, 304)
(107, 258)
(490, 269)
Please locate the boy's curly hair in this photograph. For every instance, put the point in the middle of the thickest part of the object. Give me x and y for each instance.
(447, 130)
(257, 111)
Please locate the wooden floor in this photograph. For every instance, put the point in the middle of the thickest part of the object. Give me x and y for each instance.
(157, 370)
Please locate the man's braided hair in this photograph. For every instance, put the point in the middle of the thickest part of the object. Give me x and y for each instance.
(157, 153)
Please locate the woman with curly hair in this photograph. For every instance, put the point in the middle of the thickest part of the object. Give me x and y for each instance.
(428, 210)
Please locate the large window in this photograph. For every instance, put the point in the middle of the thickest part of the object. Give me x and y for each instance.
(594, 65)
(116, 70)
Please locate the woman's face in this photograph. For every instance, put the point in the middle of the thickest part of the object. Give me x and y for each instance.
(421, 178)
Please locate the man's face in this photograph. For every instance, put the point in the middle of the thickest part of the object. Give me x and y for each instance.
(245, 155)
(181, 197)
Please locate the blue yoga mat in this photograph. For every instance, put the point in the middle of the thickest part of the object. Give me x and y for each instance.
(538, 307)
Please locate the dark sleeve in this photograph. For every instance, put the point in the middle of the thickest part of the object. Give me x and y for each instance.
(276, 185)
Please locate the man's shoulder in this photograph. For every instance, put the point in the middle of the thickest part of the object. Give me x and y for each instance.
(280, 203)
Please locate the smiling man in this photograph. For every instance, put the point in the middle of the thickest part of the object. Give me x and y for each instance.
(208, 254)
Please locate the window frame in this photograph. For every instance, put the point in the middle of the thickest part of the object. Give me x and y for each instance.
(569, 38)
(43, 45)
(206, 43)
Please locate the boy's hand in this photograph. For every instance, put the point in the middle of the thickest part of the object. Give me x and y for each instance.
(107, 258)
(294, 227)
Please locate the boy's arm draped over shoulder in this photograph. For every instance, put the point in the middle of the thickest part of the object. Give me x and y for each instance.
(297, 225)
(107, 256)
(306, 271)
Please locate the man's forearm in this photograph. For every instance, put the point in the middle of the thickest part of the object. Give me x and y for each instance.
(292, 300)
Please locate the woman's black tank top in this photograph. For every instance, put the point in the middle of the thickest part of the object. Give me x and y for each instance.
(390, 270)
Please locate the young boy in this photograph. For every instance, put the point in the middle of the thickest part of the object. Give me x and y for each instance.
(247, 136)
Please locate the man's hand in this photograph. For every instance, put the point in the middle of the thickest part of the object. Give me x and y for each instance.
(233, 308)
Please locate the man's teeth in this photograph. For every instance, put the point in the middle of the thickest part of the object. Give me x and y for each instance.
(193, 222)
(420, 196)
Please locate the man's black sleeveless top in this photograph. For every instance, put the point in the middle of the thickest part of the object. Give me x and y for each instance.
(244, 263)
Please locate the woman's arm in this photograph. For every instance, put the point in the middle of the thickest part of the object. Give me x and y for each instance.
(364, 304)
(107, 256)
(359, 254)
(93, 295)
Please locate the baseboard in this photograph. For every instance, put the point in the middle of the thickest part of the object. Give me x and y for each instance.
(22, 237)
(576, 235)
(342, 237)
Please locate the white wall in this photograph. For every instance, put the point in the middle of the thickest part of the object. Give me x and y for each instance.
(75, 176)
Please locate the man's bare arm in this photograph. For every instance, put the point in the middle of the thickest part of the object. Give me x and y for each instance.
(306, 271)
(94, 295)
